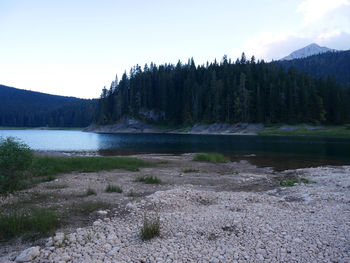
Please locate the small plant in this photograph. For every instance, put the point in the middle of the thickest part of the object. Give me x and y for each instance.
(15, 159)
(163, 162)
(294, 181)
(191, 170)
(90, 191)
(113, 189)
(131, 193)
(150, 228)
(210, 157)
(148, 179)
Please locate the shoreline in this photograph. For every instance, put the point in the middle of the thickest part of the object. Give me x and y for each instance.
(216, 212)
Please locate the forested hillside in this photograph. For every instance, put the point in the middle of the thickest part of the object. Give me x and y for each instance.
(335, 64)
(23, 108)
(243, 91)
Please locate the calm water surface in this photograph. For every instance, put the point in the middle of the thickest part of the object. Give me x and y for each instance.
(277, 147)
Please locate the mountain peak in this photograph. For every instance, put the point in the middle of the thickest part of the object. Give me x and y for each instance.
(309, 50)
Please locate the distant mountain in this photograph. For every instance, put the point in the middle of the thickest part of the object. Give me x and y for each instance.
(333, 64)
(312, 49)
(24, 108)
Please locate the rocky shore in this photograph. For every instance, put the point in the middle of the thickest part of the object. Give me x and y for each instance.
(303, 223)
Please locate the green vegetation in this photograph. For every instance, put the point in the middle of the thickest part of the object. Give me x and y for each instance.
(113, 189)
(15, 159)
(21, 108)
(150, 228)
(148, 179)
(210, 157)
(34, 224)
(244, 91)
(190, 170)
(324, 131)
(90, 191)
(294, 181)
(89, 207)
(50, 165)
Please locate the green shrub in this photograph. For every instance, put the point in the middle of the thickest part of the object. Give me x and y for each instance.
(148, 179)
(15, 159)
(211, 157)
(113, 189)
(34, 224)
(150, 228)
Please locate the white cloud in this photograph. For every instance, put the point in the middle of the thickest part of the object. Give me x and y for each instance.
(314, 10)
(326, 23)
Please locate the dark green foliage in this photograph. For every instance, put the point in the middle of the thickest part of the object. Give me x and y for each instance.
(50, 165)
(245, 91)
(210, 157)
(23, 108)
(148, 179)
(150, 228)
(15, 159)
(34, 224)
(113, 189)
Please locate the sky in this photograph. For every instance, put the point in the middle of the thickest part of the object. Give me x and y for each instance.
(75, 48)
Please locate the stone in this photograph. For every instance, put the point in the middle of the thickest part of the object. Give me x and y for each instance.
(28, 255)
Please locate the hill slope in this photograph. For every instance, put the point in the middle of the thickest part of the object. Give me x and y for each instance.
(335, 64)
(24, 108)
(312, 49)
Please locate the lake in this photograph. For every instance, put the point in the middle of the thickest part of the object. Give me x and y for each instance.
(283, 148)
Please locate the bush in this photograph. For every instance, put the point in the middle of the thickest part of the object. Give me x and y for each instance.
(113, 189)
(15, 159)
(211, 157)
(150, 228)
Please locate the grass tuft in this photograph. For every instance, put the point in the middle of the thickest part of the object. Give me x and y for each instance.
(90, 191)
(34, 224)
(148, 179)
(150, 228)
(294, 181)
(113, 189)
(210, 157)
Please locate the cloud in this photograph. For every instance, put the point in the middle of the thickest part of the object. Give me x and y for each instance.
(326, 23)
(314, 10)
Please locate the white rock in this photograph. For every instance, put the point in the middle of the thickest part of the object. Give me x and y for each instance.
(28, 254)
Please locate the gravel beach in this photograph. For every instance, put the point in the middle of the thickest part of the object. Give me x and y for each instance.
(304, 223)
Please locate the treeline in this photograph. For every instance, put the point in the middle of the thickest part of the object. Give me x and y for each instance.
(23, 108)
(243, 91)
(335, 64)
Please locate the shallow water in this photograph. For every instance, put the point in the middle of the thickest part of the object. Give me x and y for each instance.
(268, 149)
